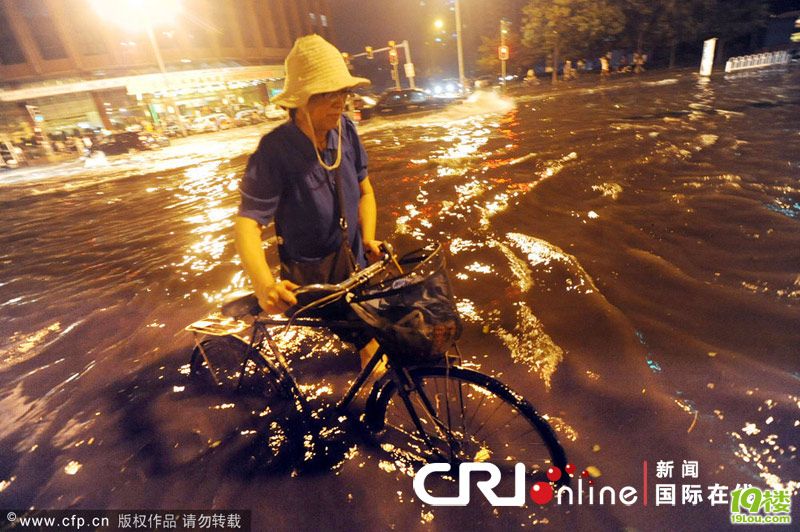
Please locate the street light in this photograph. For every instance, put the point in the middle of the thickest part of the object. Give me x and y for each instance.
(461, 78)
(439, 25)
(136, 15)
(142, 15)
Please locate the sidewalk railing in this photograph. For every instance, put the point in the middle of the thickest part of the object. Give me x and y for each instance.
(747, 62)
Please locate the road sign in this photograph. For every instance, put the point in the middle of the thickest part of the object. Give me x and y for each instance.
(409, 68)
(707, 62)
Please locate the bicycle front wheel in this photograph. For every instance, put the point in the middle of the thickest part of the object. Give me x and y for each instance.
(459, 415)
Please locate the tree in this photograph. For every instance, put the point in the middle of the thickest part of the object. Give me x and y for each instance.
(681, 21)
(572, 27)
(669, 23)
(735, 19)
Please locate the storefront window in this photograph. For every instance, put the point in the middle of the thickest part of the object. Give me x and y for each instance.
(10, 50)
(41, 26)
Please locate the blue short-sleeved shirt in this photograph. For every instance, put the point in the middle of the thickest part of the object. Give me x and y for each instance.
(285, 181)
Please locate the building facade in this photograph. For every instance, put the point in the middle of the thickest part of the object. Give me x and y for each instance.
(67, 64)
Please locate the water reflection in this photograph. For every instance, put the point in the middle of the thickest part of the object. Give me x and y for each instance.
(573, 221)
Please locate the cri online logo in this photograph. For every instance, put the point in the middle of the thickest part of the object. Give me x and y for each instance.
(541, 492)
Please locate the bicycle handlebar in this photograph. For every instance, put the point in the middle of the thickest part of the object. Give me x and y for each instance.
(324, 292)
(330, 292)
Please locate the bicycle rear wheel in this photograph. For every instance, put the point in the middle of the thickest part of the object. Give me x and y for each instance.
(219, 360)
(458, 415)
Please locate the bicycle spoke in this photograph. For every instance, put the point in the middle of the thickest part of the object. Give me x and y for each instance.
(461, 404)
(477, 409)
(501, 428)
(496, 408)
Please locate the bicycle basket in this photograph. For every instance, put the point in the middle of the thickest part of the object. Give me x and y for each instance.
(413, 314)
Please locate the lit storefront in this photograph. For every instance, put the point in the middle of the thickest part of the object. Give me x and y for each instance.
(149, 100)
(75, 66)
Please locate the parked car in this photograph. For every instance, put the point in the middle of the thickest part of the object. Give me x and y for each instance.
(245, 117)
(212, 122)
(124, 142)
(273, 112)
(155, 140)
(406, 100)
(174, 129)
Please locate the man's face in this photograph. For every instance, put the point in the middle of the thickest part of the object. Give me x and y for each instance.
(325, 109)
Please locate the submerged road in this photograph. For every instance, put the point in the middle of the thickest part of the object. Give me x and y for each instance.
(626, 256)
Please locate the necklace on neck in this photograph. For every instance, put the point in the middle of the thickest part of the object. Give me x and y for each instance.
(338, 160)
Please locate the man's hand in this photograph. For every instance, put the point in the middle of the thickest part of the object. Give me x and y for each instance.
(278, 297)
(373, 250)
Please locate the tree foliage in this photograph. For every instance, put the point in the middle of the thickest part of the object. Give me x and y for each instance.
(733, 19)
(564, 29)
(570, 27)
(648, 24)
(668, 23)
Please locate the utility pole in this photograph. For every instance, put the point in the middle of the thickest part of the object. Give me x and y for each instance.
(408, 65)
(170, 102)
(394, 61)
(503, 51)
(461, 78)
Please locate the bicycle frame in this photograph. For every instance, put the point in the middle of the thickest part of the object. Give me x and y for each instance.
(262, 338)
(263, 349)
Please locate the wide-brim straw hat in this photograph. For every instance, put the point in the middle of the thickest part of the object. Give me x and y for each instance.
(314, 66)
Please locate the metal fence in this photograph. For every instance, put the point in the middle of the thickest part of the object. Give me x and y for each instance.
(747, 62)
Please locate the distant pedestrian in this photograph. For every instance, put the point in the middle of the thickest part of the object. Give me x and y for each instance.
(638, 63)
(605, 68)
(568, 73)
(87, 144)
(77, 145)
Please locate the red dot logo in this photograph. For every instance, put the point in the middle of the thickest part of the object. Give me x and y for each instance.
(553, 474)
(541, 493)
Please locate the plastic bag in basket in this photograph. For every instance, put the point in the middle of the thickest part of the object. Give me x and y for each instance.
(413, 314)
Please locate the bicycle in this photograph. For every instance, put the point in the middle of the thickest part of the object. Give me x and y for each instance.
(429, 411)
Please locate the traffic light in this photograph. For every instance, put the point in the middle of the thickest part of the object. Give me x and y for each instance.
(369, 52)
(502, 52)
(393, 53)
(346, 58)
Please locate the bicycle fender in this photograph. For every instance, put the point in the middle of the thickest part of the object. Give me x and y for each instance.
(378, 400)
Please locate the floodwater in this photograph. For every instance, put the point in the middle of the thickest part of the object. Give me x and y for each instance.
(626, 256)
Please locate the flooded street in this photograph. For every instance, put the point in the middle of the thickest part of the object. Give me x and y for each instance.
(626, 256)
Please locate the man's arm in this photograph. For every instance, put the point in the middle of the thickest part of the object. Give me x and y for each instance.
(367, 216)
(272, 297)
